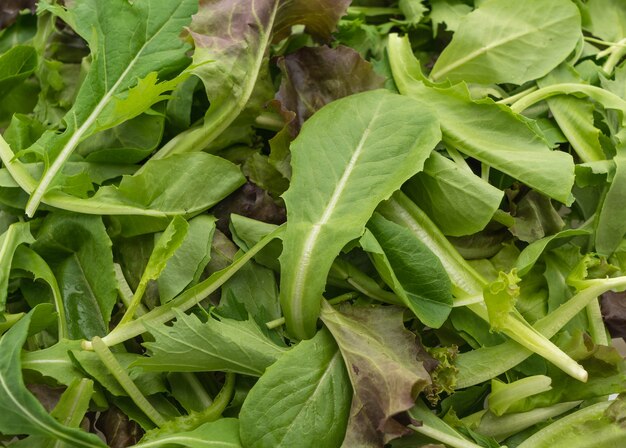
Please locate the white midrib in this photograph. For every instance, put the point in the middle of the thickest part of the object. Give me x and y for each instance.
(7, 243)
(297, 292)
(50, 174)
(34, 418)
(181, 440)
(481, 50)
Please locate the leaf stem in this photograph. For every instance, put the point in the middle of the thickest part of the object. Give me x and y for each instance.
(272, 324)
(118, 372)
(513, 98)
(186, 300)
(441, 436)
(343, 298)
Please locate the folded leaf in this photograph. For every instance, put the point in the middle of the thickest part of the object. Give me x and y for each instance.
(18, 233)
(410, 269)
(512, 42)
(367, 145)
(611, 220)
(306, 391)
(381, 359)
(223, 433)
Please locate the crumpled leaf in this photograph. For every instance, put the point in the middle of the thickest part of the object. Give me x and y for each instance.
(500, 297)
(315, 76)
(381, 358)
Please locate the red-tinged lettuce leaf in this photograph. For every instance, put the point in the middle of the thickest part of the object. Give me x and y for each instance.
(315, 76)
(11, 10)
(232, 40)
(614, 313)
(381, 358)
(320, 17)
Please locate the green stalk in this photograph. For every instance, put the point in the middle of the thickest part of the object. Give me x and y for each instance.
(402, 210)
(449, 440)
(118, 372)
(597, 330)
(607, 99)
(184, 301)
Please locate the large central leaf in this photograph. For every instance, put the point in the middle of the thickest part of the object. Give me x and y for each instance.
(350, 156)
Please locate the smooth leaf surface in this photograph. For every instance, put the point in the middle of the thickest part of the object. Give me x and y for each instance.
(367, 145)
(611, 221)
(78, 250)
(512, 42)
(18, 233)
(217, 345)
(223, 433)
(411, 270)
(381, 359)
(459, 202)
(303, 399)
(512, 145)
(16, 65)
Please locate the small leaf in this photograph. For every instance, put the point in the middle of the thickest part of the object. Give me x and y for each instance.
(302, 400)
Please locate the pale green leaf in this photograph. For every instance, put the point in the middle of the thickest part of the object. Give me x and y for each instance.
(611, 220)
(486, 131)
(512, 42)
(223, 433)
(367, 145)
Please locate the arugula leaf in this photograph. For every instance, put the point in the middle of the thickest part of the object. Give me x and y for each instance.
(306, 391)
(380, 135)
(22, 413)
(381, 359)
(224, 345)
(509, 42)
(16, 65)
(128, 42)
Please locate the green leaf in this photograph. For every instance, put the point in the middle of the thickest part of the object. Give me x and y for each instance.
(503, 395)
(22, 413)
(223, 433)
(381, 359)
(611, 219)
(18, 233)
(217, 345)
(141, 39)
(28, 260)
(512, 145)
(372, 132)
(607, 19)
(302, 400)
(500, 298)
(54, 362)
(410, 269)
(69, 243)
(186, 265)
(16, 65)
(164, 248)
(459, 202)
(510, 42)
(533, 251)
(450, 12)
